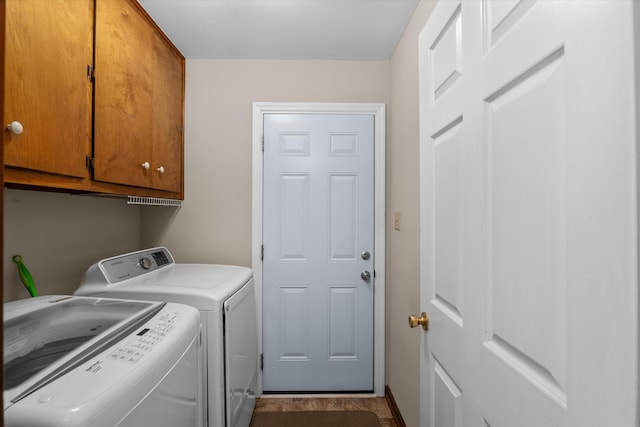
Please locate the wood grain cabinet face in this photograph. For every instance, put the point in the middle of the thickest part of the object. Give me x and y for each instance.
(138, 101)
(47, 51)
(129, 117)
(167, 118)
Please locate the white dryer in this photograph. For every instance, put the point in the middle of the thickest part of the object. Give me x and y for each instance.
(82, 361)
(225, 297)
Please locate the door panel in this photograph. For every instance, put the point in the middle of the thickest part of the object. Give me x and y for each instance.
(447, 399)
(343, 333)
(448, 291)
(343, 217)
(318, 218)
(446, 65)
(294, 213)
(528, 214)
(293, 338)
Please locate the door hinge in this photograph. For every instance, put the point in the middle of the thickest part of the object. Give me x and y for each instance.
(262, 361)
(262, 253)
(91, 73)
(90, 162)
(263, 143)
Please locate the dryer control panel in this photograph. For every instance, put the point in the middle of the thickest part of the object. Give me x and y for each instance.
(134, 264)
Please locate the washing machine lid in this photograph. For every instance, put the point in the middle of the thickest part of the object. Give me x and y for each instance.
(46, 337)
(139, 275)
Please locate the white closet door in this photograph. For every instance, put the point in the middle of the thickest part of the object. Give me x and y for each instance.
(529, 214)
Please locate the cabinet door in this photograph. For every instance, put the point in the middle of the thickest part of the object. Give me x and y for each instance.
(138, 100)
(123, 103)
(48, 47)
(168, 107)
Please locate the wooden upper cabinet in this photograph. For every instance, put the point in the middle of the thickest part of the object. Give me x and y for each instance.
(48, 47)
(119, 133)
(139, 91)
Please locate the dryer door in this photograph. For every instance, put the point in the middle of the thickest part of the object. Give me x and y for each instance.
(241, 354)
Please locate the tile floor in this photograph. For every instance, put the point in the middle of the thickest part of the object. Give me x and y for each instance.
(377, 405)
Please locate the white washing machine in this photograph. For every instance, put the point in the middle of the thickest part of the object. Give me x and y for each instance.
(82, 361)
(225, 297)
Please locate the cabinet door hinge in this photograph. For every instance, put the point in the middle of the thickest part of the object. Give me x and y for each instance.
(263, 143)
(91, 74)
(261, 361)
(90, 162)
(262, 253)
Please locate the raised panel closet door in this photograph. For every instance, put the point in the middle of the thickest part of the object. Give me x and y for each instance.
(529, 214)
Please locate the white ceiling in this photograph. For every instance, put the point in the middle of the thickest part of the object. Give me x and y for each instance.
(283, 29)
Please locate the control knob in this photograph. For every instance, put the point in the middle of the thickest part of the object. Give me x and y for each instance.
(145, 263)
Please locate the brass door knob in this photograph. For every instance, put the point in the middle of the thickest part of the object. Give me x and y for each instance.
(422, 320)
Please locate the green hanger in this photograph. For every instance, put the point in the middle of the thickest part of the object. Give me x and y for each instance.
(25, 276)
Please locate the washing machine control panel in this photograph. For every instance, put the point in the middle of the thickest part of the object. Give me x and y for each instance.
(135, 264)
(146, 340)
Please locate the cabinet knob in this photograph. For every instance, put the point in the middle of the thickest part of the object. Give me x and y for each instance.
(15, 127)
(145, 165)
(161, 169)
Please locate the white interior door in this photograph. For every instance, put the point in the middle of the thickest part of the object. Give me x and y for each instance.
(318, 220)
(529, 214)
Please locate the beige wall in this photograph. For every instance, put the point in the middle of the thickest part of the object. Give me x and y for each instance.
(403, 269)
(214, 222)
(59, 236)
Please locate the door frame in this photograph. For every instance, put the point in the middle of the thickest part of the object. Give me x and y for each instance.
(378, 110)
